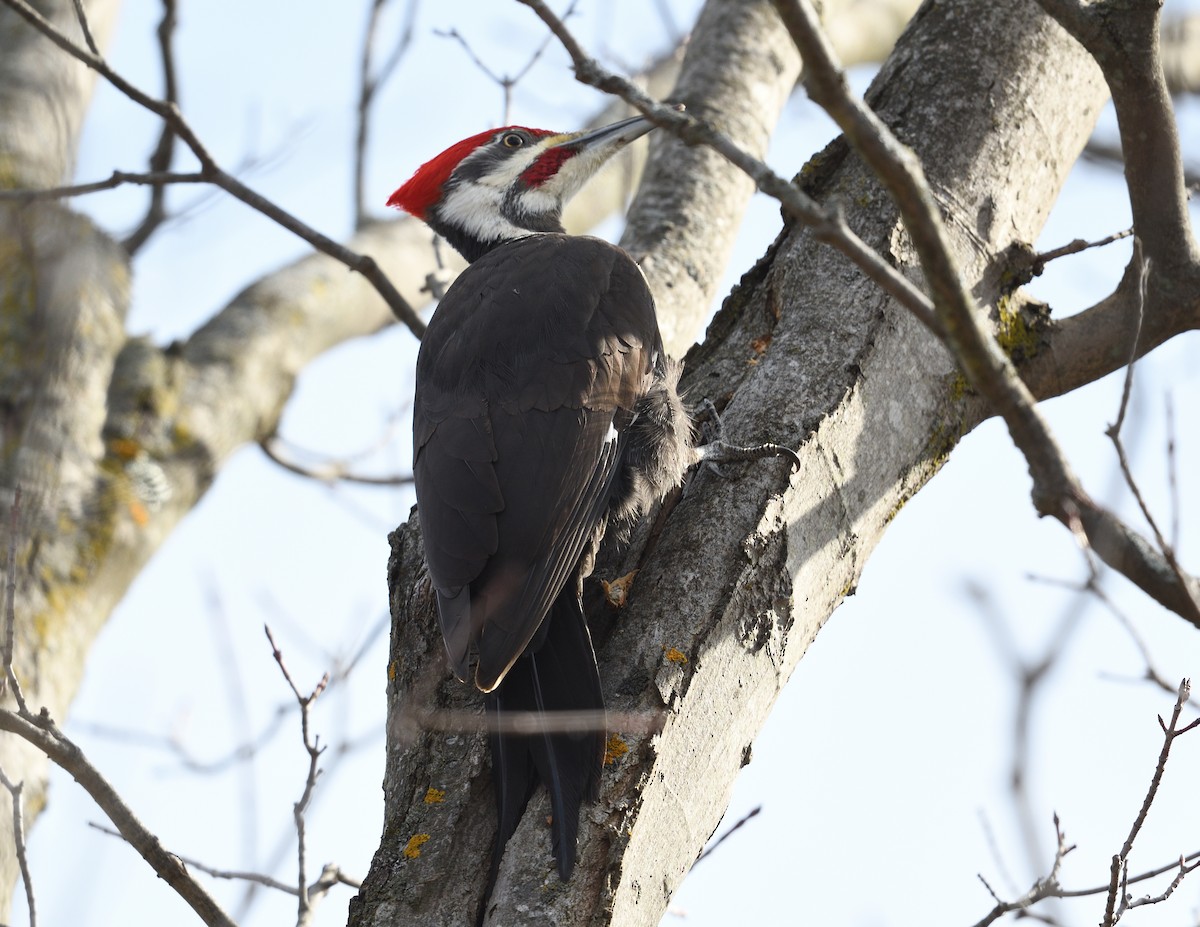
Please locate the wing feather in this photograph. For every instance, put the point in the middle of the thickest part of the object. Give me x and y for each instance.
(526, 380)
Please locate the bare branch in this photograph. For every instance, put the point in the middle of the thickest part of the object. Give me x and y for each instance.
(330, 876)
(828, 223)
(1170, 732)
(42, 732)
(753, 812)
(332, 471)
(1172, 472)
(1184, 869)
(85, 28)
(117, 179)
(10, 615)
(1056, 491)
(314, 750)
(16, 790)
(160, 158)
(1047, 887)
(169, 113)
(1038, 262)
(1142, 266)
(369, 82)
(508, 81)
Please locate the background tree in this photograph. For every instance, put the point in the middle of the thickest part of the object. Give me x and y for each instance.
(112, 439)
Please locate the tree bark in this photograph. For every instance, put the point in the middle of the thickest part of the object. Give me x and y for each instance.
(63, 296)
(739, 573)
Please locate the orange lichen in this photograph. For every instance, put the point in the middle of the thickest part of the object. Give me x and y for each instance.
(614, 749)
(123, 448)
(412, 849)
(434, 796)
(674, 656)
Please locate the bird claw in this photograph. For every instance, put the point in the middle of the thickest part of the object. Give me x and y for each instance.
(718, 450)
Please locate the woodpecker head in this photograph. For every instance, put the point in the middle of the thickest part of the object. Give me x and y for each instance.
(508, 183)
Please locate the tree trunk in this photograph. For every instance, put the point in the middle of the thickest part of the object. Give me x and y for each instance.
(64, 290)
(739, 573)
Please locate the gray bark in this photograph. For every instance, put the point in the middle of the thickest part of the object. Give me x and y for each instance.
(63, 296)
(738, 575)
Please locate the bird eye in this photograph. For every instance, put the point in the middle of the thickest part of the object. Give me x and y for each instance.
(512, 140)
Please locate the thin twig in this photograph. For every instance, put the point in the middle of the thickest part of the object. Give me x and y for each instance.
(16, 791)
(753, 812)
(508, 81)
(314, 749)
(1142, 264)
(1046, 887)
(369, 82)
(169, 112)
(10, 609)
(1172, 471)
(1150, 874)
(1038, 262)
(1165, 894)
(164, 151)
(1151, 672)
(1169, 734)
(117, 179)
(238, 708)
(332, 471)
(43, 733)
(85, 28)
(1118, 901)
(330, 876)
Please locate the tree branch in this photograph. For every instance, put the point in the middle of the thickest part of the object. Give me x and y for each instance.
(169, 112)
(1056, 490)
(43, 734)
(15, 791)
(369, 83)
(828, 222)
(160, 158)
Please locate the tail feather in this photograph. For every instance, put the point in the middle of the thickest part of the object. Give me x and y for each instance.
(560, 676)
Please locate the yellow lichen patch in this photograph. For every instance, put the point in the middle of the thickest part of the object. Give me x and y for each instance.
(614, 749)
(1013, 332)
(674, 656)
(412, 849)
(123, 448)
(139, 513)
(616, 593)
(434, 796)
(392, 669)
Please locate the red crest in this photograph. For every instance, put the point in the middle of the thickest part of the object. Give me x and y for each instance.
(424, 188)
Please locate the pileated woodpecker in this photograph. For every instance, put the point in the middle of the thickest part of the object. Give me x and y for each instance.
(546, 412)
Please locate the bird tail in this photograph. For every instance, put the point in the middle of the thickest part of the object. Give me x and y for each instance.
(559, 676)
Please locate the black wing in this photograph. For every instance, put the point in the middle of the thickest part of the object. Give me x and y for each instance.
(526, 384)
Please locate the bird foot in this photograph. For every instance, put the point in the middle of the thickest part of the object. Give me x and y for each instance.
(716, 450)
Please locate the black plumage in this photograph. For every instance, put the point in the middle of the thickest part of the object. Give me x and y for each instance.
(546, 409)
